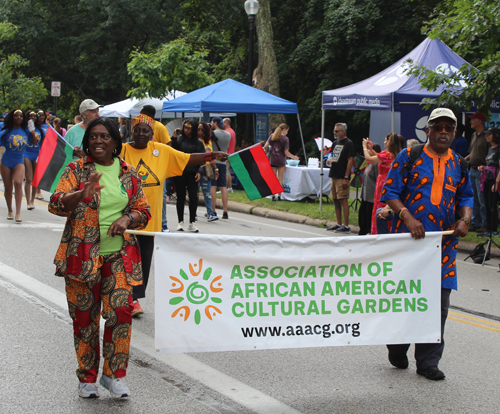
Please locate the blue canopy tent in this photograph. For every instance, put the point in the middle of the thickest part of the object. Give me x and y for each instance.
(232, 96)
(395, 91)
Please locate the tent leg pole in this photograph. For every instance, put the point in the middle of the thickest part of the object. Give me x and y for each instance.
(302, 138)
(321, 160)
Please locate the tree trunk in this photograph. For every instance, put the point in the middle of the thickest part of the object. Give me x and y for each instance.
(265, 75)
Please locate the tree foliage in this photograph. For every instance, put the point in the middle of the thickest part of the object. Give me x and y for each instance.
(472, 29)
(174, 66)
(17, 90)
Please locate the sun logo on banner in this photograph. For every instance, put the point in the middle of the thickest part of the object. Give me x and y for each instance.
(196, 293)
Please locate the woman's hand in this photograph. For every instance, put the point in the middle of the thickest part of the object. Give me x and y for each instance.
(118, 227)
(197, 177)
(494, 188)
(365, 143)
(92, 185)
(480, 168)
(219, 155)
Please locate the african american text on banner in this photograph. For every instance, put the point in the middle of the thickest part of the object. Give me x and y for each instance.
(228, 293)
(252, 168)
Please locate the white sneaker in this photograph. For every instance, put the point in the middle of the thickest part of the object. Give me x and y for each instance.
(229, 190)
(180, 226)
(116, 387)
(192, 227)
(88, 390)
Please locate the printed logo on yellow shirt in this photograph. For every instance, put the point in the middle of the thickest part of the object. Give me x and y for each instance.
(148, 177)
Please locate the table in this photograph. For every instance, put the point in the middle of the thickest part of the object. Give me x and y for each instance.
(302, 182)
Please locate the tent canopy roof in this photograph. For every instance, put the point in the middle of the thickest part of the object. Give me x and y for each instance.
(391, 86)
(230, 95)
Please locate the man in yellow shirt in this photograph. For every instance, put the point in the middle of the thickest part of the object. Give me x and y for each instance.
(155, 162)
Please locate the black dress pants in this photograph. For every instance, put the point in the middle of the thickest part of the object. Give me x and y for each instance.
(427, 354)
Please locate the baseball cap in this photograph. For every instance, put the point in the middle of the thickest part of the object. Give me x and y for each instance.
(88, 105)
(218, 121)
(442, 112)
(479, 116)
(492, 130)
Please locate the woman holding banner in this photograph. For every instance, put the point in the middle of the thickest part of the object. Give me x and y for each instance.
(102, 197)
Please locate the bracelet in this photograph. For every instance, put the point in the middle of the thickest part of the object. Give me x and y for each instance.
(346, 178)
(208, 156)
(216, 170)
(465, 221)
(131, 218)
(400, 211)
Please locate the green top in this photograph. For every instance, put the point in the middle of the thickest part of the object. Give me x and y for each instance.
(114, 199)
(74, 136)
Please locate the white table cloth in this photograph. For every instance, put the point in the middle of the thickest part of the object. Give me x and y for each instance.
(302, 182)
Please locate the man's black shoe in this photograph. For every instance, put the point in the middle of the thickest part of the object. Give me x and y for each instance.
(432, 373)
(401, 362)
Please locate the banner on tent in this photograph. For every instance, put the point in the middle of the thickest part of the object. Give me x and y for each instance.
(222, 293)
(414, 120)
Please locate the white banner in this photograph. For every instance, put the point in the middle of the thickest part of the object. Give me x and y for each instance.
(224, 293)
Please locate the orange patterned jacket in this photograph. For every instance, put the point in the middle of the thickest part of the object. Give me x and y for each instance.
(78, 256)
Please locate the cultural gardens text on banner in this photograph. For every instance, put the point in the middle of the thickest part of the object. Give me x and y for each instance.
(222, 293)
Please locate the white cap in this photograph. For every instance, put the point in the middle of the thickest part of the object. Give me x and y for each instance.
(442, 112)
(88, 104)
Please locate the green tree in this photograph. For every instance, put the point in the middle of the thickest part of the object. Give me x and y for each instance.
(16, 89)
(472, 29)
(174, 66)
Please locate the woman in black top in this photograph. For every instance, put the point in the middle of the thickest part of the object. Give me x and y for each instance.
(187, 141)
(490, 178)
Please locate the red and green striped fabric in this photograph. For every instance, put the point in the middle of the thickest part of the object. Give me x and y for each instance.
(252, 168)
(55, 154)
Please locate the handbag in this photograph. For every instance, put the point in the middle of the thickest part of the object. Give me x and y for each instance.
(209, 171)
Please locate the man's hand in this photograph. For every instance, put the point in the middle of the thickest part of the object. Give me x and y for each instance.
(345, 183)
(415, 227)
(78, 152)
(460, 228)
(197, 177)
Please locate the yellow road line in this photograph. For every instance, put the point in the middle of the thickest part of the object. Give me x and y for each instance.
(474, 324)
(472, 318)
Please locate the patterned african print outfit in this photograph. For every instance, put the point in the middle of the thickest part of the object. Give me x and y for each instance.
(386, 159)
(92, 279)
(433, 190)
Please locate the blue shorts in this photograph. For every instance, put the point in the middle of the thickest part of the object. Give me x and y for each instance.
(222, 180)
(32, 156)
(10, 159)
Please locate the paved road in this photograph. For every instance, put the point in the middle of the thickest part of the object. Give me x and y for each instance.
(38, 362)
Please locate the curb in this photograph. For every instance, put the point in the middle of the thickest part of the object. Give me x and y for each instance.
(463, 246)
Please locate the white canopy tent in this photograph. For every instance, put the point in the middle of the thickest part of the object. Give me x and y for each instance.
(130, 108)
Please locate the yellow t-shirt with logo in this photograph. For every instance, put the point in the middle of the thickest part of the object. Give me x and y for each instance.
(160, 133)
(154, 165)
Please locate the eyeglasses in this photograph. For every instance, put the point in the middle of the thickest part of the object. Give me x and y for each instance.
(187, 126)
(200, 129)
(439, 128)
(337, 131)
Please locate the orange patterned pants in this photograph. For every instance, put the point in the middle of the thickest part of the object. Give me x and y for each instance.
(113, 292)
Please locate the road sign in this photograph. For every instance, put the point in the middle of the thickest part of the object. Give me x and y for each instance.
(55, 89)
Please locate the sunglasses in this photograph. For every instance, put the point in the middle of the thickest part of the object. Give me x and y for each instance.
(187, 126)
(439, 128)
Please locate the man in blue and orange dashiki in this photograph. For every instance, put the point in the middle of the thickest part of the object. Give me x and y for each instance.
(426, 198)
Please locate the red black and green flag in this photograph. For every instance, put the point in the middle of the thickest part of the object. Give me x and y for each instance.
(55, 154)
(252, 168)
